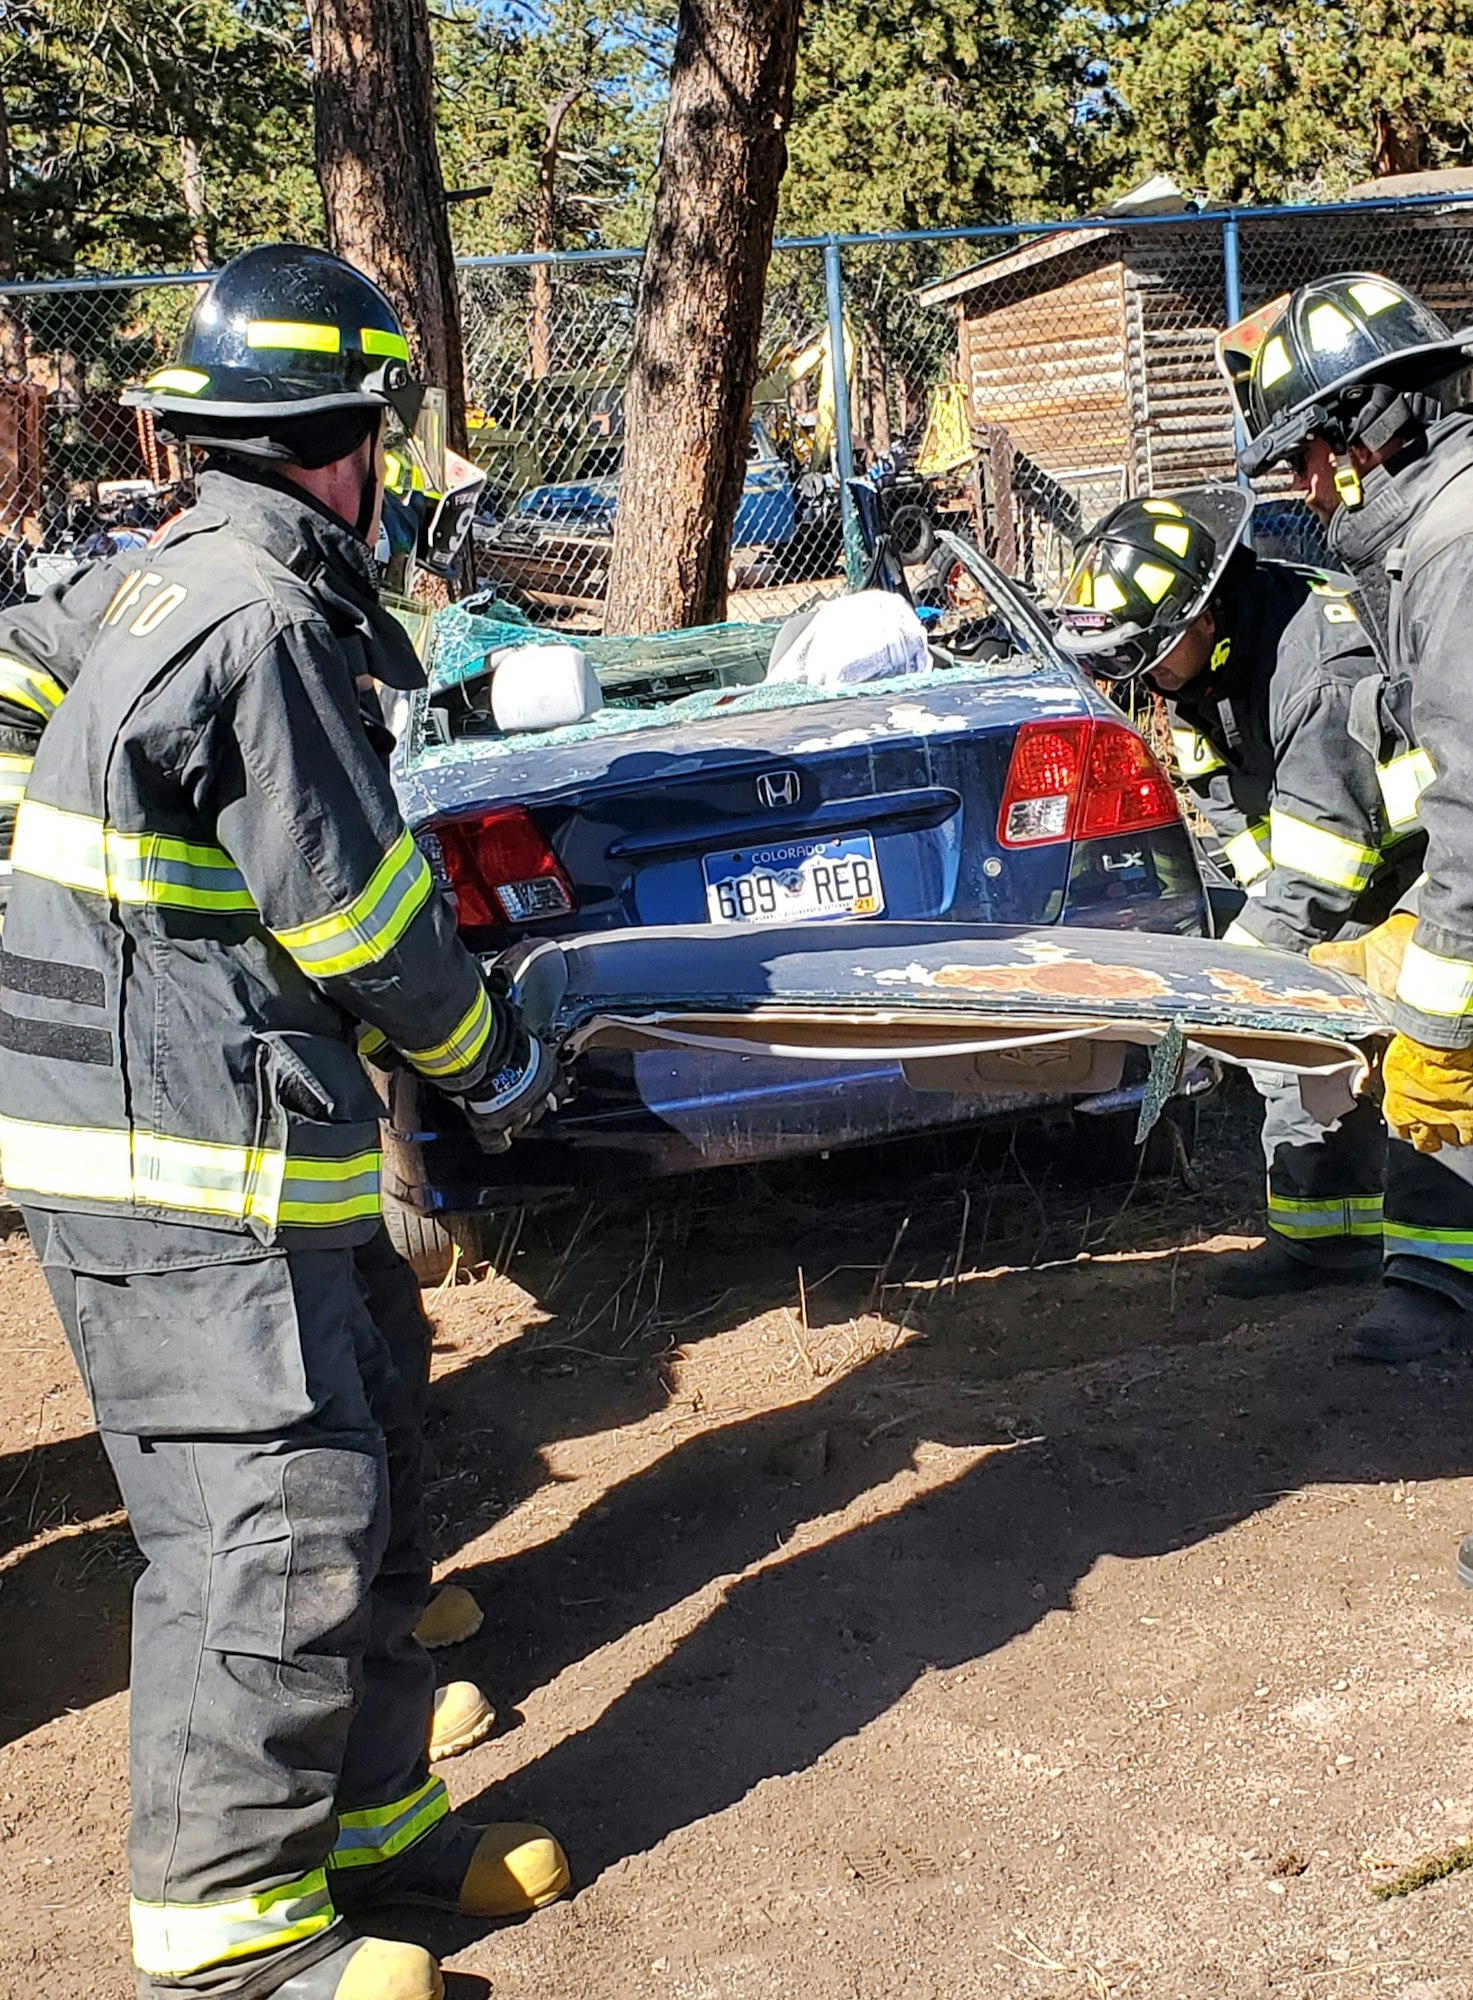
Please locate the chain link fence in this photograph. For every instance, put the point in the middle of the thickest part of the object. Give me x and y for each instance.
(1007, 383)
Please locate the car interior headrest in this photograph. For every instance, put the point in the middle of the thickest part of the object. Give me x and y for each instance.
(542, 687)
(867, 636)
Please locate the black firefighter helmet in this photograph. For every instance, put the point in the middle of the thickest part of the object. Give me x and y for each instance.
(284, 335)
(1149, 570)
(1350, 358)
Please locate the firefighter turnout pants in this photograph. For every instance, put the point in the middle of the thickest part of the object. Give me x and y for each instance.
(1326, 1204)
(1429, 1220)
(280, 1705)
(1325, 1182)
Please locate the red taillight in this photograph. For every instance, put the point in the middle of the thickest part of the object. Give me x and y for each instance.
(499, 869)
(1041, 797)
(1080, 781)
(1125, 789)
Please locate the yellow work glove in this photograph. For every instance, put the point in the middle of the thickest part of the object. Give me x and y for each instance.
(1428, 1094)
(1375, 958)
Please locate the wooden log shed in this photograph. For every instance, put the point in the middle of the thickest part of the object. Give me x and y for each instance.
(1093, 348)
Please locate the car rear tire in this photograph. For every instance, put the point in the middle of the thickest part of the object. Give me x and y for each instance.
(911, 535)
(423, 1241)
(1107, 1150)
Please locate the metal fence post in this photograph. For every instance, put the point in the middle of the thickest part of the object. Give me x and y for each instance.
(1232, 296)
(833, 284)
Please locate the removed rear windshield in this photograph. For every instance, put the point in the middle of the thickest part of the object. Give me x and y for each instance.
(696, 675)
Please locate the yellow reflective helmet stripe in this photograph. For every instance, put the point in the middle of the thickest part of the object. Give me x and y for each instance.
(80, 852)
(1248, 853)
(1322, 856)
(1328, 328)
(1274, 361)
(30, 687)
(1373, 297)
(376, 341)
(365, 930)
(462, 1045)
(183, 381)
(14, 775)
(1435, 985)
(1173, 535)
(1154, 579)
(195, 1176)
(378, 1833)
(175, 1939)
(1354, 1215)
(1195, 756)
(295, 334)
(1403, 780)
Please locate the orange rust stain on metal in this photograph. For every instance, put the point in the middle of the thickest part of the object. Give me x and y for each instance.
(1257, 993)
(1070, 979)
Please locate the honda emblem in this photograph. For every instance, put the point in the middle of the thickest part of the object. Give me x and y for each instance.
(778, 788)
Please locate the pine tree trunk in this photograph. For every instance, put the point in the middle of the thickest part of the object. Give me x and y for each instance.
(699, 322)
(12, 328)
(192, 179)
(544, 230)
(378, 161)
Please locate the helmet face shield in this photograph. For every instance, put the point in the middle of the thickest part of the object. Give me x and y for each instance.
(1104, 653)
(431, 485)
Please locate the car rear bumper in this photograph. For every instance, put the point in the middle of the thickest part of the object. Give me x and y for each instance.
(658, 1113)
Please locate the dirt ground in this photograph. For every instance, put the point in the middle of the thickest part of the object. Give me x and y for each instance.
(904, 1580)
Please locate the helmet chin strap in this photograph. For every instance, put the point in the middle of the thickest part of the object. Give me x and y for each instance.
(368, 494)
(1348, 481)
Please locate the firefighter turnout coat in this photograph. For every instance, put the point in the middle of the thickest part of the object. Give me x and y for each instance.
(1279, 743)
(1411, 546)
(212, 884)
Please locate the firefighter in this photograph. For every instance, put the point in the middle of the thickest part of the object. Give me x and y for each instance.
(1341, 381)
(1262, 665)
(213, 893)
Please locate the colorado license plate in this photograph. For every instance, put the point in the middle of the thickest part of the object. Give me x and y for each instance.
(793, 881)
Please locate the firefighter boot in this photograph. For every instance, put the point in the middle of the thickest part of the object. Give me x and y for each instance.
(463, 1716)
(1271, 1272)
(367, 1969)
(1407, 1323)
(451, 1615)
(1464, 1564)
(477, 1871)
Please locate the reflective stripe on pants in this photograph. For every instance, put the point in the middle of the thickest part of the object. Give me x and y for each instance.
(175, 1939)
(377, 1833)
(1429, 1219)
(1324, 1182)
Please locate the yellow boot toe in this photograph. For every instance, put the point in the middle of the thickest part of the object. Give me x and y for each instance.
(368, 1969)
(515, 1868)
(451, 1615)
(463, 1716)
